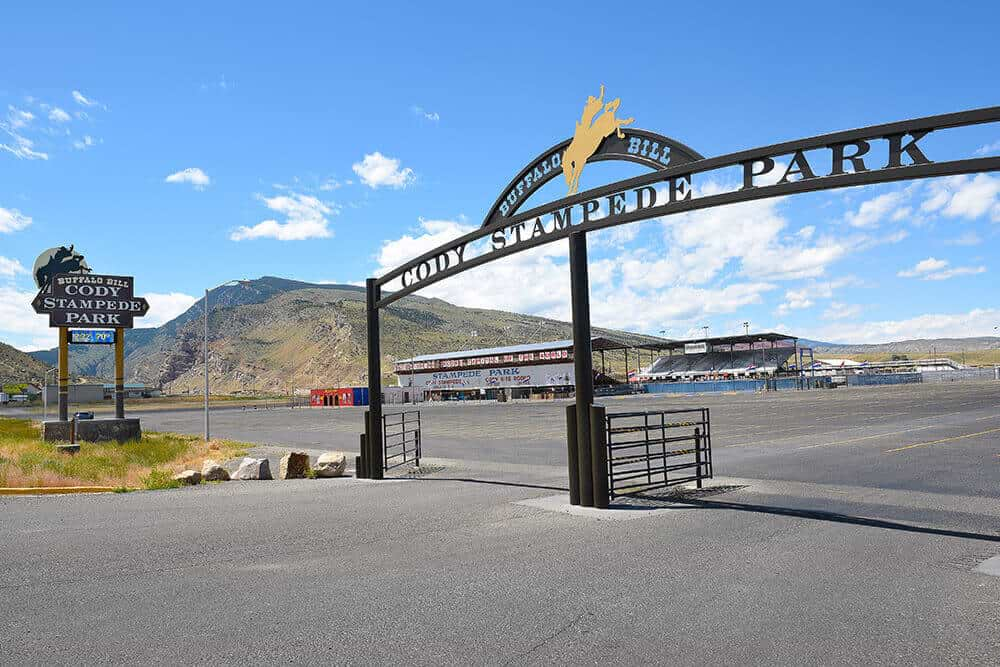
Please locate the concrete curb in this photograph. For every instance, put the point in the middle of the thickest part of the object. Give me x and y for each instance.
(53, 490)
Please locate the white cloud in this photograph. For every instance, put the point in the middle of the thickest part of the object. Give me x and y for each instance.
(305, 218)
(804, 297)
(965, 197)
(841, 311)
(978, 322)
(937, 269)
(795, 299)
(701, 243)
(193, 175)
(19, 324)
(871, 212)
(968, 238)
(420, 112)
(19, 118)
(536, 281)
(86, 142)
(650, 311)
(57, 115)
(21, 146)
(956, 271)
(377, 170)
(12, 220)
(10, 267)
(988, 148)
(923, 266)
(84, 101)
(165, 307)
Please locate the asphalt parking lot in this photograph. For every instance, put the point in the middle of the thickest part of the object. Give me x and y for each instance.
(844, 526)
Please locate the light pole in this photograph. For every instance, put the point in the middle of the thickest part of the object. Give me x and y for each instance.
(705, 329)
(206, 367)
(746, 329)
(45, 393)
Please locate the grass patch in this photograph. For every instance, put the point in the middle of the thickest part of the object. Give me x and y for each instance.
(150, 463)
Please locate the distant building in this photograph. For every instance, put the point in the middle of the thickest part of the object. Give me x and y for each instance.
(96, 393)
(515, 371)
(78, 393)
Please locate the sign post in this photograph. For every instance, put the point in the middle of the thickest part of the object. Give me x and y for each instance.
(119, 373)
(72, 296)
(63, 374)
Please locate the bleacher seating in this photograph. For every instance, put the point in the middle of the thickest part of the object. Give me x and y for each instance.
(742, 361)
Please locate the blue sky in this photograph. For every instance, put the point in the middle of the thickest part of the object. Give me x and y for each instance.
(195, 145)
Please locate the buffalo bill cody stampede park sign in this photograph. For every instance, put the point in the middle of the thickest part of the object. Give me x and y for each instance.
(92, 300)
(875, 154)
(71, 295)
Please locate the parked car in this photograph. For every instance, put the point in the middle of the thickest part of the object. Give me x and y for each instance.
(83, 415)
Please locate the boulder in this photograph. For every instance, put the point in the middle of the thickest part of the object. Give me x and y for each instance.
(331, 464)
(212, 471)
(294, 465)
(191, 477)
(251, 468)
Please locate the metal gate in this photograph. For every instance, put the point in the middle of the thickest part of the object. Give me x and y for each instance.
(657, 449)
(400, 439)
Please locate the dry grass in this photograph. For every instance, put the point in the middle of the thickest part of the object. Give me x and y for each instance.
(27, 461)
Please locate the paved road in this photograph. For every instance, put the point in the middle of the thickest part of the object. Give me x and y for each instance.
(844, 528)
(842, 436)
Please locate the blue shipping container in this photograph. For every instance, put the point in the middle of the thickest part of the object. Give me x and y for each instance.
(360, 395)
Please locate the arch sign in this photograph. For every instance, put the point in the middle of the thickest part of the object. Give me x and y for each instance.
(865, 156)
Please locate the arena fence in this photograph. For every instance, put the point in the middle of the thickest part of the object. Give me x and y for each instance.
(883, 379)
(963, 375)
(401, 438)
(656, 449)
(709, 386)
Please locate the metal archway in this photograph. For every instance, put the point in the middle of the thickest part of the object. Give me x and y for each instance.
(844, 160)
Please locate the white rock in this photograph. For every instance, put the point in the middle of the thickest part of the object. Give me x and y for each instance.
(251, 468)
(331, 464)
(212, 471)
(191, 477)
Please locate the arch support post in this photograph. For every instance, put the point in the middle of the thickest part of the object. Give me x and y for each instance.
(373, 455)
(583, 365)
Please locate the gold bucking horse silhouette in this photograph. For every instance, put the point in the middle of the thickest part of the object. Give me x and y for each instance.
(588, 136)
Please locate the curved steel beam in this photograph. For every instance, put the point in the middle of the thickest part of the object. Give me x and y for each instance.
(894, 132)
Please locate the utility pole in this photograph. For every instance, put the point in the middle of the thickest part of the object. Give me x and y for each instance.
(206, 367)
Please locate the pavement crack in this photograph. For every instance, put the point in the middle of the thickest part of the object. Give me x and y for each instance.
(560, 631)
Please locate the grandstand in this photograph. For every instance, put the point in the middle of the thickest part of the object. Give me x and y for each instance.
(749, 356)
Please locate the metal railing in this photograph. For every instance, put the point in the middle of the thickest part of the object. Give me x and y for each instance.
(401, 438)
(656, 449)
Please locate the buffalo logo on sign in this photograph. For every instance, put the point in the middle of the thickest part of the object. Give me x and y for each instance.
(589, 134)
(82, 299)
(55, 261)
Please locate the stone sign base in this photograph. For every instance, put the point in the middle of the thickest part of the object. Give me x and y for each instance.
(93, 430)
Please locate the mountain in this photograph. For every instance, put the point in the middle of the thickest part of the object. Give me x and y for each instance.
(271, 335)
(918, 346)
(17, 366)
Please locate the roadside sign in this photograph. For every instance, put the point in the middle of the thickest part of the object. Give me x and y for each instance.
(92, 337)
(75, 299)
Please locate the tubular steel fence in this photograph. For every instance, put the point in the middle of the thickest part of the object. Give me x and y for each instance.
(656, 449)
(401, 438)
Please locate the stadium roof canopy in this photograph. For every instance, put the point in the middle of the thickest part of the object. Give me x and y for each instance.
(721, 340)
(597, 343)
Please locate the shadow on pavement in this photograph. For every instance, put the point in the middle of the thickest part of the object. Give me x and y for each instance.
(823, 515)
